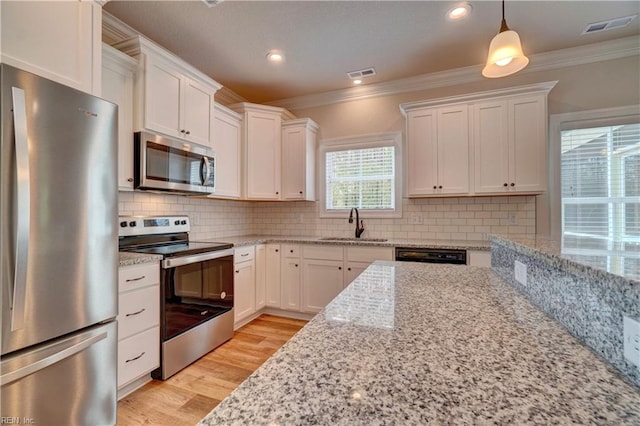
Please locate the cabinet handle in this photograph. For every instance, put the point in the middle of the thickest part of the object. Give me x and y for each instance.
(136, 279)
(276, 250)
(135, 358)
(291, 251)
(440, 187)
(130, 180)
(348, 269)
(434, 187)
(237, 271)
(505, 184)
(339, 268)
(182, 131)
(296, 265)
(300, 192)
(188, 132)
(277, 193)
(513, 184)
(244, 254)
(136, 313)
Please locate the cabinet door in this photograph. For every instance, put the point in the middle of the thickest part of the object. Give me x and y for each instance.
(322, 281)
(290, 291)
(528, 136)
(58, 40)
(453, 150)
(226, 144)
(117, 87)
(197, 112)
(293, 160)
(263, 155)
(163, 91)
(422, 160)
(353, 270)
(261, 276)
(491, 146)
(273, 276)
(244, 290)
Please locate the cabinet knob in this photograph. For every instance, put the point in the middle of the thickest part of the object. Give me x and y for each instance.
(505, 184)
(300, 192)
(340, 268)
(277, 193)
(440, 187)
(188, 132)
(237, 271)
(276, 250)
(435, 187)
(130, 180)
(182, 131)
(513, 184)
(348, 269)
(296, 265)
(291, 251)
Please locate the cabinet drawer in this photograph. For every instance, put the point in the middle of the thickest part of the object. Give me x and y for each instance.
(137, 276)
(242, 254)
(369, 254)
(290, 250)
(138, 310)
(138, 355)
(323, 252)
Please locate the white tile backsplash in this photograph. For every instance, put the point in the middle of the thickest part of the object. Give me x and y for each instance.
(464, 218)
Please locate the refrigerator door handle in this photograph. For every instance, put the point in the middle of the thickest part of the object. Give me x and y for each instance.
(36, 366)
(24, 209)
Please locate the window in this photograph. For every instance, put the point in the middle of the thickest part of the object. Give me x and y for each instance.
(361, 172)
(600, 194)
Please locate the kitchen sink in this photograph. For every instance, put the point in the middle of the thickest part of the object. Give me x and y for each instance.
(370, 240)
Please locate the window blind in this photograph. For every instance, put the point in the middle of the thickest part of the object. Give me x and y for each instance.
(362, 178)
(600, 191)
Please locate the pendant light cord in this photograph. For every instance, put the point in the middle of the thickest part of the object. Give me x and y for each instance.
(503, 26)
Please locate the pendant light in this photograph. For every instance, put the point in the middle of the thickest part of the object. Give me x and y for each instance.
(505, 53)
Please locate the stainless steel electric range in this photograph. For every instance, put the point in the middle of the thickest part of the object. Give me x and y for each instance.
(196, 287)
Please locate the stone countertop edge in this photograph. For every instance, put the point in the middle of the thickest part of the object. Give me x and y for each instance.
(551, 257)
(129, 259)
(248, 240)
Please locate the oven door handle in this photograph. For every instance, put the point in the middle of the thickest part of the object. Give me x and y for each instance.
(201, 257)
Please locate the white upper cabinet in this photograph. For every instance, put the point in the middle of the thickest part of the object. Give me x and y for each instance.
(172, 97)
(118, 75)
(262, 150)
(438, 151)
(510, 139)
(58, 40)
(481, 143)
(227, 137)
(299, 159)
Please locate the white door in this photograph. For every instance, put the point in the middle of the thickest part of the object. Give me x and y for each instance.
(244, 290)
(273, 276)
(293, 163)
(528, 136)
(263, 156)
(198, 103)
(162, 101)
(353, 270)
(226, 144)
(290, 291)
(491, 145)
(422, 159)
(322, 281)
(261, 276)
(453, 150)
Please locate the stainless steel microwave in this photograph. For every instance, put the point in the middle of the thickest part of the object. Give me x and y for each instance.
(165, 164)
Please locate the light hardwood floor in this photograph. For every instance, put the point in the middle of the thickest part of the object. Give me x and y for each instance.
(192, 393)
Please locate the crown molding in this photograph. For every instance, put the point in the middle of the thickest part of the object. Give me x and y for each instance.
(226, 96)
(114, 30)
(307, 122)
(243, 107)
(596, 52)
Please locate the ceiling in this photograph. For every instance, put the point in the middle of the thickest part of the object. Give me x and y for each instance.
(323, 40)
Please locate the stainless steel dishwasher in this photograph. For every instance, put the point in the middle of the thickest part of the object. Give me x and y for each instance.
(431, 255)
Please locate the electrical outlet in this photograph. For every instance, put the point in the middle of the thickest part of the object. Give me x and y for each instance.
(520, 270)
(415, 218)
(631, 343)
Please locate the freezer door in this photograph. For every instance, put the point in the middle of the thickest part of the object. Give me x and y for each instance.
(71, 381)
(58, 209)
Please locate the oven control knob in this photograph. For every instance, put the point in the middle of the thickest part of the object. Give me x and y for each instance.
(132, 223)
(123, 224)
(177, 222)
(184, 222)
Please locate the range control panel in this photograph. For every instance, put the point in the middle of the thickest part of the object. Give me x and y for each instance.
(149, 225)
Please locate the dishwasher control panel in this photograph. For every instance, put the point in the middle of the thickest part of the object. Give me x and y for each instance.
(431, 255)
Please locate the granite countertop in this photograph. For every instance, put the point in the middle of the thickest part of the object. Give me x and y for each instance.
(128, 259)
(371, 242)
(605, 266)
(411, 343)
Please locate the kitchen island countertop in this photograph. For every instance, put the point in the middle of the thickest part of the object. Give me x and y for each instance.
(410, 343)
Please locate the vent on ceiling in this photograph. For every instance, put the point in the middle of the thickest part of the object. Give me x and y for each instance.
(212, 3)
(596, 27)
(367, 72)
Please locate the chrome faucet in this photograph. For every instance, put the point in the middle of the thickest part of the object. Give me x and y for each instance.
(359, 223)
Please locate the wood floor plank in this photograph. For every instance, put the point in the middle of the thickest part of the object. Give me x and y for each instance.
(193, 392)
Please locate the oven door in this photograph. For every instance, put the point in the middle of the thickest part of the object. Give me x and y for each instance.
(195, 289)
(166, 164)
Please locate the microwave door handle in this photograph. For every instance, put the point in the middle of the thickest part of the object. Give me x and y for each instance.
(23, 197)
(205, 175)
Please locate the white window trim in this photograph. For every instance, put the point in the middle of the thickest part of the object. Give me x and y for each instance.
(361, 142)
(549, 205)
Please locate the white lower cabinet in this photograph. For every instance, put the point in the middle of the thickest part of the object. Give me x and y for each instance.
(272, 276)
(322, 281)
(290, 277)
(261, 279)
(357, 259)
(244, 283)
(138, 325)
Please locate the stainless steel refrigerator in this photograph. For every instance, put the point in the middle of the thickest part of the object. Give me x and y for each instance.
(58, 258)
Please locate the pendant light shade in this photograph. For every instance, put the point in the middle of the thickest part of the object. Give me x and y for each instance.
(505, 53)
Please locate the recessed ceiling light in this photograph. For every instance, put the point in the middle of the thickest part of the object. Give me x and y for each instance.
(275, 56)
(459, 11)
(357, 81)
